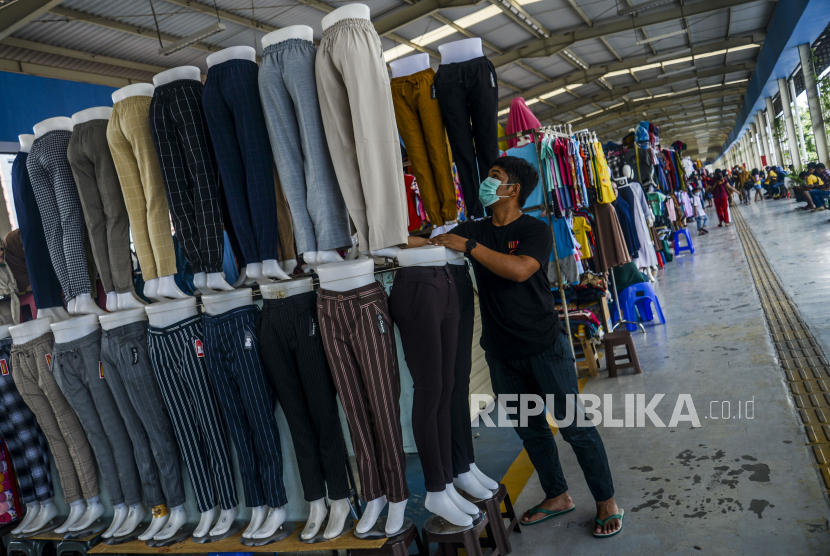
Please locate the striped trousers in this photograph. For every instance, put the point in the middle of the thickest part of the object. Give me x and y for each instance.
(359, 341)
(178, 357)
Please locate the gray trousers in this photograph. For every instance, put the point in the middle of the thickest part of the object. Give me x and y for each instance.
(129, 374)
(288, 89)
(78, 370)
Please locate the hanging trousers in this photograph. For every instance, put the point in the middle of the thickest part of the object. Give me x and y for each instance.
(359, 120)
(422, 130)
(79, 373)
(137, 165)
(237, 129)
(45, 285)
(21, 433)
(286, 230)
(129, 375)
(32, 373)
(60, 208)
(103, 204)
(178, 356)
(288, 88)
(188, 167)
(463, 453)
(292, 351)
(424, 305)
(247, 402)
(360, 347)
(468, 93)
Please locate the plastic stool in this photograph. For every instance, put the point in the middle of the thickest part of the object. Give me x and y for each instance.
(498, 535)
(396, 546)
(637, 299)
(468, 540)
(689, 246)
(628, 359)
(28, 300)
(27, 547)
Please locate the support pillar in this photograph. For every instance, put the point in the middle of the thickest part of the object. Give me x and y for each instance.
(797, 120)
(761, 125)
(792, 141)
(813, 103)
(770, 121)
(756, 146)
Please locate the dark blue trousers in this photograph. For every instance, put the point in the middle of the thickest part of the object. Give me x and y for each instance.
(243, 152)
(45, 285)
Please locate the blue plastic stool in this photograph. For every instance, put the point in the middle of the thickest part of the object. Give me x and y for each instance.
(637, 299)
(688, 247)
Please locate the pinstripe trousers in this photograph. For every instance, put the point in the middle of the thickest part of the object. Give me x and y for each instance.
(188, 166)
(360, 347)
(78, 370)
(32, 373)
(21, 433)
(129, 375)
(295, 362)
(178, 357)
(247, 402)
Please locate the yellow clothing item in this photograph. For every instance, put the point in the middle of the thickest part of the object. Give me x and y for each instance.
(813, 179)
(581, 229)
(503, 145)
(604, 175)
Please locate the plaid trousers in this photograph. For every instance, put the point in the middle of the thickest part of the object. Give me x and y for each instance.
(188, 167)
(243, 152)
(21, 433)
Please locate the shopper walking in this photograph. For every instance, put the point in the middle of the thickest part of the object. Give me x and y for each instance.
(721, 192)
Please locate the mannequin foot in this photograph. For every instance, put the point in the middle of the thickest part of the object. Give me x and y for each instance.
(224, 523)
(112, 302)
(338, 514)
(485, 481)
(323, 257)
(354, 252)
(437, 231)
(128, 300)
(216, 281)
(469, 484)
(135, 515)
(205, 522)
(31, 514)
(395, 517)
(316, 516)
(177, 518)
(258, 516)
(48, 510)
(168, 289)
(240, 282)
(387, 252)
(70, 307)
(253, 272)
(271, 269)
(119, 516)
(76, 511)
(463, 504)
(151, 289)
(94, 510)
(289, 266)
(440, 504)
(448, 226)
(57, 313)
(156, 525)
(371, 514)
(276, 517)
(84, 305)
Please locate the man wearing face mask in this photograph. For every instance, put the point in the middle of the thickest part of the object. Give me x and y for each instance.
(524, 343)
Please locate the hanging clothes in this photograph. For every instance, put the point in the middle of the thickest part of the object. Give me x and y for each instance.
(611, 248)
(602, 175)
(626, 217)
(641, 214)
(519, 119)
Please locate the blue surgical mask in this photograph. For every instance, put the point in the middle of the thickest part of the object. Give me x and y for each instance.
(487, 191)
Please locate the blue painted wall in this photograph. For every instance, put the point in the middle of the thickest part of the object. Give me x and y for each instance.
(26, 100)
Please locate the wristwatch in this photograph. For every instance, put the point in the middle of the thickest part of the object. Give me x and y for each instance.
(471, 244)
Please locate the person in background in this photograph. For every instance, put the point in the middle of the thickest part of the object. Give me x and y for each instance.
(757, 176)
(701, 218)
(820, 189)
(722, 192)
(16, 259)
(803, 193)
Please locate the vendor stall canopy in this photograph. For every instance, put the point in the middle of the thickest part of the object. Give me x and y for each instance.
(603, 64)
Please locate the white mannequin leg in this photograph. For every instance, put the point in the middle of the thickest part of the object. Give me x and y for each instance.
(223, 524)
(463, 504)
(289, 266)
(322, 257)
(388, 252)
(395, 516)
(254, 272)
(112, 302)
(469, 484)
(151, 289)
(127, 300)
(57, 313)
(164, 527)
(48, 510)
(94, 510)
(339, 512)
(316, 517)
(216, 281)
(76, 511)
(371, 514)
(205, 522)
(135, 514)
(271, 269)
(485, 481)
(118, 518)
(31, 513)
(70, 306)
(167, 288)
(437, 231)
(276, 517)
(85, 305)
(441, 504)
(258, 516)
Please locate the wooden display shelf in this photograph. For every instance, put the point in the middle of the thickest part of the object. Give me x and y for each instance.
(232, 544)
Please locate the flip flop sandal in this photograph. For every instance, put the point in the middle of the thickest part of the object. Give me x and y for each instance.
(548, 514)
(619, 516)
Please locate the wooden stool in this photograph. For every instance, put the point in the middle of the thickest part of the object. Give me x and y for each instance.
(468, 540)
(396, 546)
(628, 359)
(498, 534)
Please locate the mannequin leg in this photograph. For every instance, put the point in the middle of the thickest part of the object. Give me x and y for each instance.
(48, 510)
(395, 516)
(167, 288)
(371, 514)
(151, 289)
(216, 281)
(76, 511)
(85, 305)
(469, 484)
(276, 517)
(258, 516)
(316, 517)
(70, 306)
(339, 512)
(289, 266)
(127, 300)
(271, 269)
(441, 504)
(135, 515)
(205, 522)
(173, 523)
(32, 510)
(226, 518)
(112, 302)
(57, 313)
(254, 272)
(485, 481)
(119, 517)
(463, 504)
(94, 510)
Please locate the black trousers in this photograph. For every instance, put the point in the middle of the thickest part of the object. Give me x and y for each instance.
(189, 170)
(424, 305)
(463, 453)
(468, 93)
(292, 352)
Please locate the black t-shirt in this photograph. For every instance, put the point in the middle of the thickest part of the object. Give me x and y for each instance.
(518, 319)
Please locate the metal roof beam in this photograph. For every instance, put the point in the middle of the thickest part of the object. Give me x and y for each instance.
(223, 14)
(41, 70)
(17, 14)
(413, 13)
(80, 55)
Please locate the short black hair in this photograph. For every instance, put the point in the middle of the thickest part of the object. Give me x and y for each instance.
(820, 166)
(811, 166)
(802, 175)
(519, 171)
